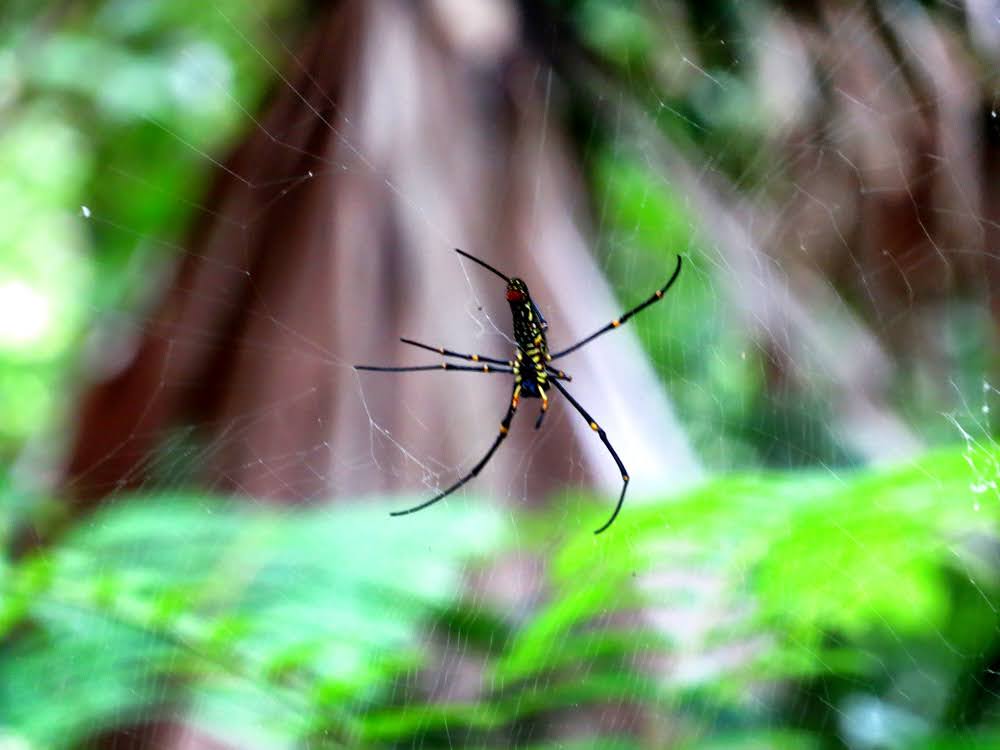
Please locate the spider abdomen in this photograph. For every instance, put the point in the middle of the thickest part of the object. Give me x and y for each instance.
(530, 371)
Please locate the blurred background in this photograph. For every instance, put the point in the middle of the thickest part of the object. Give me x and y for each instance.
(210, 211)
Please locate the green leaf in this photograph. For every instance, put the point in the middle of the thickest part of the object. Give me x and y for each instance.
(270, 621)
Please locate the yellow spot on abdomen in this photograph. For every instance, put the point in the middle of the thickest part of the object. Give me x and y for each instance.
(594, 427)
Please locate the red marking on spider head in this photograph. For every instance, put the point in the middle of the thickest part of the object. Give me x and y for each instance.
(517, 291)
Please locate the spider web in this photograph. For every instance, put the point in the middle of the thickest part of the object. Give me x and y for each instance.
(827, 181)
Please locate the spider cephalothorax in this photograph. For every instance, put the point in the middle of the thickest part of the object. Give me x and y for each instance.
(517, 292)
(532, 371)
(529, 325)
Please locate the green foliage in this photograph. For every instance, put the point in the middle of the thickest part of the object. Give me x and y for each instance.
(263, 623)
(813, 578)
(617, 30)
(297, 625)
(710, 370)
(108, 112)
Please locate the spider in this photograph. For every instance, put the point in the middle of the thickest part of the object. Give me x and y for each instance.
(532, 371)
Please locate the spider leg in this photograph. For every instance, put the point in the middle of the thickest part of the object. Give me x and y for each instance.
(442, 366)
(545, 407)
(657, 295)
(483, 263)
(604, 439)
(504, 430)
(450, 353)
(558, 374)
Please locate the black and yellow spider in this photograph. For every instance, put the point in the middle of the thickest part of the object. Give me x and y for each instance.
(533, 375)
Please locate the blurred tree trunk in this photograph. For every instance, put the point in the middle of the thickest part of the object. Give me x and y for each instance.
(401, 131)
(886, 227)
